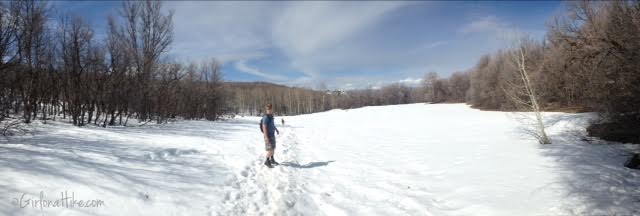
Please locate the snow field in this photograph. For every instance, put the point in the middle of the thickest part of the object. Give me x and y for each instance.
(417, 159)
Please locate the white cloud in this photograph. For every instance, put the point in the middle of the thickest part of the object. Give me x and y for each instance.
(309, 32)
(434, 44)
(307, 27)
(485, 24)
(229, 31)
(241, 65)
(357, 82)
(411, 82)
(499, 29)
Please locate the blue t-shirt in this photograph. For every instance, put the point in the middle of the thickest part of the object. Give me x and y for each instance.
(271, 126)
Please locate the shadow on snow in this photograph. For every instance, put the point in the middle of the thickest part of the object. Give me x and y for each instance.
(593, 172)
(105, 159)
(306, 166)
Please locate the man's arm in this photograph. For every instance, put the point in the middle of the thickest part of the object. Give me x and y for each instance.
(264, 132)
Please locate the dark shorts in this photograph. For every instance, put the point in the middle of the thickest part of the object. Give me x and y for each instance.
(271, 145)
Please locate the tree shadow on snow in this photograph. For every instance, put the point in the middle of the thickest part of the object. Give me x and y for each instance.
(527, 125)
(592, 172)
(306, 166)
(122, 168)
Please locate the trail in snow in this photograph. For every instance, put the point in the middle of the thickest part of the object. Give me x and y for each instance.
(258, 190)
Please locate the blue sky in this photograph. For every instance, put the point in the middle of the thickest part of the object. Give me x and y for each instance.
(339, 44)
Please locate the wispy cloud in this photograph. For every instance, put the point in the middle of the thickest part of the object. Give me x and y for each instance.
(229, 31)
(309, 32)
(347, 82)
(411, 81)
(485, 24)
(241, 65)
(434, 44)
(499, 29)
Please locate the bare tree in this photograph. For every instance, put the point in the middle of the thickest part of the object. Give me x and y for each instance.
(522, 91)
(458, 86)
(31, 45)
(149, 32)
(8, 55)
(75, 47)
(429, 86)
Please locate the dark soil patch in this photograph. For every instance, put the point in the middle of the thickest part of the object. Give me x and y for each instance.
(618, 132)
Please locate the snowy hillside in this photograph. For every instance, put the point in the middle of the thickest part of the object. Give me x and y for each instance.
(418, 159)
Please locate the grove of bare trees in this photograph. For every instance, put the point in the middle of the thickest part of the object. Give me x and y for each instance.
(60, 69)
(589, 61)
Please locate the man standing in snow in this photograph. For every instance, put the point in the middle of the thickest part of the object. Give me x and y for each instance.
(268, 127)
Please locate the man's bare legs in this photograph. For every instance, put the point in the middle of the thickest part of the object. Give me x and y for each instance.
(269, 153)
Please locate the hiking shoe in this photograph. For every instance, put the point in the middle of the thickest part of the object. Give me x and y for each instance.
(273, 161)
(268, 163)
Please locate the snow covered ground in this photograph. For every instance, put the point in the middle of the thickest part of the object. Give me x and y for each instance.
(418, 159)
